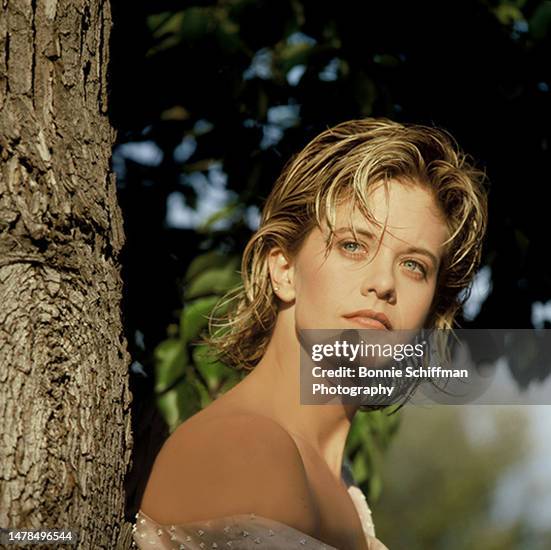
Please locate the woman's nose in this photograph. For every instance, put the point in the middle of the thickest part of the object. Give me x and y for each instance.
(378, 278)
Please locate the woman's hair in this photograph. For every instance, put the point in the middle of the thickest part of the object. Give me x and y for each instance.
(342, 163)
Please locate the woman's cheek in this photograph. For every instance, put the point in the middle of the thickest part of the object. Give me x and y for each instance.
(303, 310)
(423, 307)
(310, 311)
(302, 319)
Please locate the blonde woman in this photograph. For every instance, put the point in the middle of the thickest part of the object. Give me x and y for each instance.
(375, 224)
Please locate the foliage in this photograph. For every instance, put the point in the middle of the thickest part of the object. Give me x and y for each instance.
(188, 377)
(370, 436)
(441, 481)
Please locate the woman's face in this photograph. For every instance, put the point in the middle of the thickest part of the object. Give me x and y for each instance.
(366, 282)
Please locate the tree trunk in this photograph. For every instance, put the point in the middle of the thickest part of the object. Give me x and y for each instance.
(64, 400)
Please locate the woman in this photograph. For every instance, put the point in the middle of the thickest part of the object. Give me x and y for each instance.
(374, 224)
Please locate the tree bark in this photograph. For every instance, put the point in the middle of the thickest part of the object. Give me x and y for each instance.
(64, 399)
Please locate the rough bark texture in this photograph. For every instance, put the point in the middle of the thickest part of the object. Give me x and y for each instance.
(64, 400)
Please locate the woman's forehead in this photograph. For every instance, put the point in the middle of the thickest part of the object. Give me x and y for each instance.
(386, 204)
(404, 213)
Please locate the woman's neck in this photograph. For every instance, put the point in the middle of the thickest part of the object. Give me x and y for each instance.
(273, 389)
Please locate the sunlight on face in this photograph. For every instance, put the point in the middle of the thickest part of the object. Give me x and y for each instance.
(395, 276)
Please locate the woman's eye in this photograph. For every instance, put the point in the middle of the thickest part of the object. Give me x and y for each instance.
(416, 267)
(352, 247)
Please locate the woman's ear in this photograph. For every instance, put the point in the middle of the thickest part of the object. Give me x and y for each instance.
(282, 273)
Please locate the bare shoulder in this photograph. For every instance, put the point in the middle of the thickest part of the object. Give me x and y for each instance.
(238, 463)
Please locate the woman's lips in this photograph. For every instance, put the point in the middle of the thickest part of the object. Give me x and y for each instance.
(370, 318)
(367, 322)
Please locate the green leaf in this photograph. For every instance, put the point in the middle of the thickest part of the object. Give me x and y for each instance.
(290, 55)
(170, 29)
(230, 382)
(171, 41)
(164, 27)
(194, 317)
(204, 398)
(359, 468)
(228, 36)
(164, 23)
(540, 22)
(190, 397)
(507, 14)
(170, 363)
(204, 262)
(169, 408)
(386, 60)
(214, 372)
(216, 280)
(180, 403)
(375, 486)
(197, 22)
(226, 212)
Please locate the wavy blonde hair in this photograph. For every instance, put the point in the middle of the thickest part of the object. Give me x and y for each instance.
(343, 162)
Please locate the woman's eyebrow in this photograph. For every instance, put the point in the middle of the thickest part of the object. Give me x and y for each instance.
(424, 252)
(360, 231)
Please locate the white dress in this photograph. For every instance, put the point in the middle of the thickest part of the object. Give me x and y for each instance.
(242, 532)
